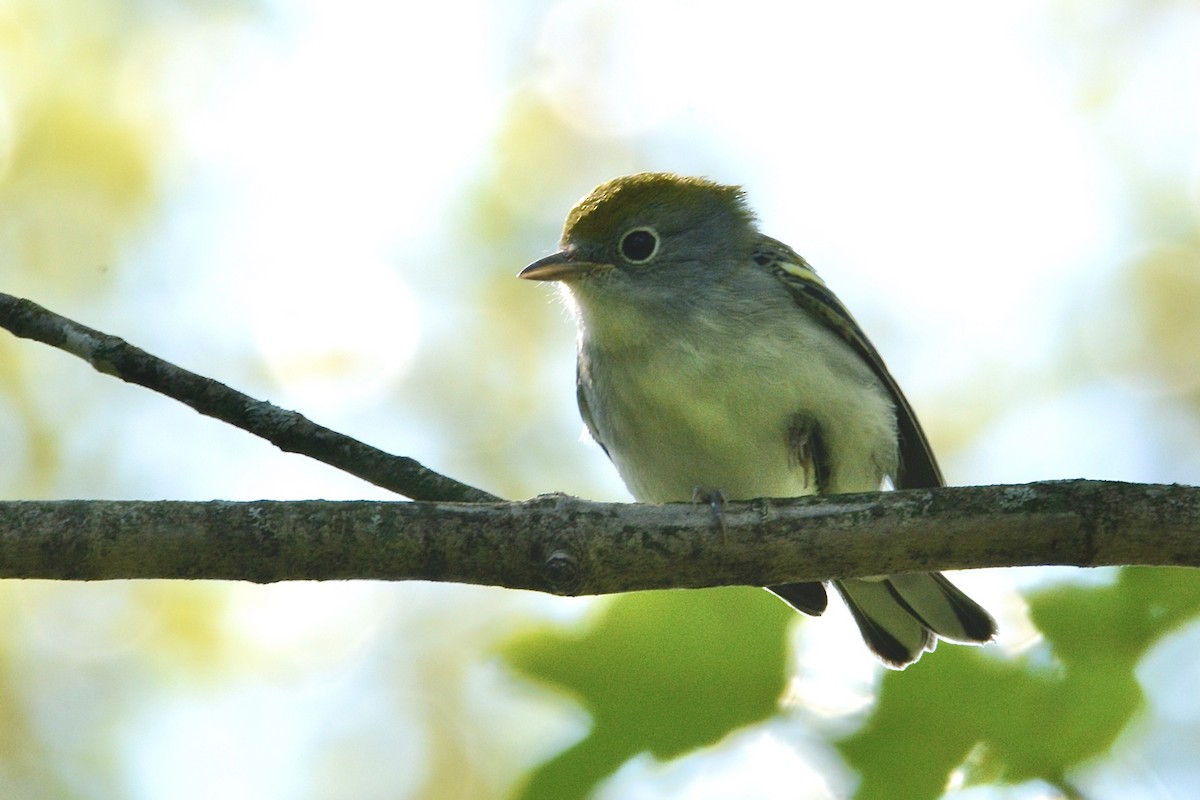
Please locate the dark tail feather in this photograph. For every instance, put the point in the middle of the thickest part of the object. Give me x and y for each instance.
(807, 597)
(944, 608)
(888, 627)
(902, 616)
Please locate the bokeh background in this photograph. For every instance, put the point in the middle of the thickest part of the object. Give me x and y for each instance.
(325, 205)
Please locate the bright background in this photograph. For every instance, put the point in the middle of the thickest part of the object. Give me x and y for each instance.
(325, 205)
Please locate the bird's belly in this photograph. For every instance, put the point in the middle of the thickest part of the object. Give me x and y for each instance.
(670, 438)
(740, 472)
(675, 422)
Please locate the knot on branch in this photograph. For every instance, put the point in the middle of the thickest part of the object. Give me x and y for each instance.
(562, 572)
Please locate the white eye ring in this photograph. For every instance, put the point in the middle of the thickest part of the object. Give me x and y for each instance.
(639, 245)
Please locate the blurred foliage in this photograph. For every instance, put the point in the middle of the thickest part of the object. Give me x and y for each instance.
(670, 672)
(1163, 289)
(659, 672)
(78, 660)
(80, 142)
(1022, 720)
(24, 761)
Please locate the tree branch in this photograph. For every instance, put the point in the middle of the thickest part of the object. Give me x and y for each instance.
(287, 430)
(569, 546)
(555, 543)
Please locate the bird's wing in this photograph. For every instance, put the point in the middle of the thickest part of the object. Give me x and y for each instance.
(918, 467)
(586, 412)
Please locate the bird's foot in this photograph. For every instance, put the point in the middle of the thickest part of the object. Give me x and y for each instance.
(715, 498)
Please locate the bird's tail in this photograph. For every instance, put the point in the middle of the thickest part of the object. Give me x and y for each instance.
(901, 616)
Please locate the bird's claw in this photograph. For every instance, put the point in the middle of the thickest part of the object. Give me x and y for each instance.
(716, 502)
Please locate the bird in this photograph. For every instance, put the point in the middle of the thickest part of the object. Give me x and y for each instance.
(713, 361)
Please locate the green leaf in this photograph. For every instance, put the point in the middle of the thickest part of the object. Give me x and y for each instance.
(664, 672)
(1022, 719)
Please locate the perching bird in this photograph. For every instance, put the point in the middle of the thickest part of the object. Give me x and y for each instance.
(712, 359)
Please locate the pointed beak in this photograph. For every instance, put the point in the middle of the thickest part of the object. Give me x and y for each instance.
(560, 266)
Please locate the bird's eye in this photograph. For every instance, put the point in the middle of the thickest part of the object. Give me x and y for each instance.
(639, 245)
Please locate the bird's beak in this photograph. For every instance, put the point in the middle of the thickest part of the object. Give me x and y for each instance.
(561, 266)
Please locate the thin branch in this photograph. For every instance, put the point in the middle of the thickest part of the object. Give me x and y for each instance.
(287, 430)
(569, 546)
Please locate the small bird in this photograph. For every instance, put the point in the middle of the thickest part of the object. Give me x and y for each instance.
(713, 361)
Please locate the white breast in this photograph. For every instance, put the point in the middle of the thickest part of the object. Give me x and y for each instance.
(675, 419)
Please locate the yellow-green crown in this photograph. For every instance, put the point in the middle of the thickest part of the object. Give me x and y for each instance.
(638, 196)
